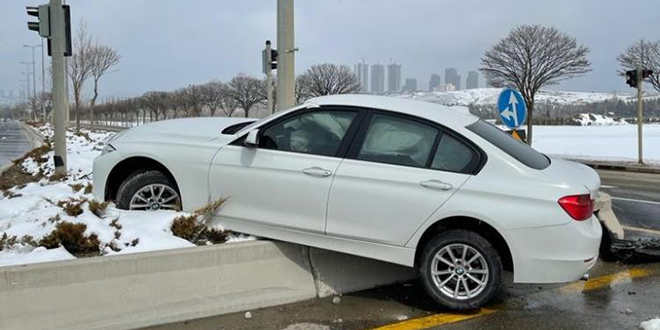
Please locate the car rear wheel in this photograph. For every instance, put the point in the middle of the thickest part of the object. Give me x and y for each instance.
(148, 191)
(460, 269)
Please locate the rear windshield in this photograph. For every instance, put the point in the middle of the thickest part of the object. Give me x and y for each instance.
(516, 149)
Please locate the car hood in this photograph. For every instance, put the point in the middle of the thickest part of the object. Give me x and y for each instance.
(196, 129)
(574, 173)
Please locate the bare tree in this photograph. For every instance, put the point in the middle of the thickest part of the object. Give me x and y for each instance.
(644, 55)
(193, 96)
(301, 92)
(329, 79)
(531, 57)
(212, 95)
(80, 67)
(102, 58)
(155, 102)
(246, 92)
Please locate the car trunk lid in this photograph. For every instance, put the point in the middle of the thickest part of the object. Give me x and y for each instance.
(572, 172)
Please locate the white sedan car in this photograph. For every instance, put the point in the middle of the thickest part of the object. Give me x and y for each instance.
(406, 182)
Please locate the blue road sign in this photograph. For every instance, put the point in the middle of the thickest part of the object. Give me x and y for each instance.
(511, 105)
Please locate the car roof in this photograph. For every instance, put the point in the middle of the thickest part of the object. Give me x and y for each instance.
(436, 112)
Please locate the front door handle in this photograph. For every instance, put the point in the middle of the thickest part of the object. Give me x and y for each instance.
(317, 171)
(436, 184)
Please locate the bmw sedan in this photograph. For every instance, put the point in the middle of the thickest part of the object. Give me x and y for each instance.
(412, 183)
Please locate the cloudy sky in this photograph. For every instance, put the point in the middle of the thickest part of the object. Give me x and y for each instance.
(166, 44)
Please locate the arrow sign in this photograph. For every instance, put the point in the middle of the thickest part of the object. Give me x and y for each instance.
(511, 105)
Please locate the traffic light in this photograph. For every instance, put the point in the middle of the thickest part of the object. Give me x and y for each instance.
(268, 61)
(43, 25)
(273, 59)
(631, 78)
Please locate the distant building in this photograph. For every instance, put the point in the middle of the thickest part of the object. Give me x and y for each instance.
(446, 88)
(410, 85)
(434, 82)
(377, 78)
(361, 70)
(393, 77)
(472, 80)
(452, 77)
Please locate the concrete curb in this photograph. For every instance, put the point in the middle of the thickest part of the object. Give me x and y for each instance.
(612, 166)
(139, 290)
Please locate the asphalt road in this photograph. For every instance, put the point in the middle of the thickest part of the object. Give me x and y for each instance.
(13, 141)
(635, 200)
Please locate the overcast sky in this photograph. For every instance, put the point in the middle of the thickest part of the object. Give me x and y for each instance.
(166, 44)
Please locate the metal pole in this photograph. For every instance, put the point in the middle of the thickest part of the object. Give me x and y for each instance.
(34, 86)
(60, 97)
(269, 78)
(640, 116)
(43, 81)
(286, 76)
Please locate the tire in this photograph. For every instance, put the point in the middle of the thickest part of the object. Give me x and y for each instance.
(455, 240)
(147, 179)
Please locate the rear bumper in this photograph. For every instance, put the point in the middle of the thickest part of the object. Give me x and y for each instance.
(556, 254)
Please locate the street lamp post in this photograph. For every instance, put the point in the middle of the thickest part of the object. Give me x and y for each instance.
(34, 73)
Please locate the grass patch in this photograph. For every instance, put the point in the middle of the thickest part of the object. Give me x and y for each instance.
(195, 227)
(72, 237)
(76, 187)
(98, 208)
(72, 207)
(88, 188)
(10, 194)
(16, 176)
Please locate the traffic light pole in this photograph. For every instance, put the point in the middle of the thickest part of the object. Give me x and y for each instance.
(640, 115)
(286, 77)
(60, 97)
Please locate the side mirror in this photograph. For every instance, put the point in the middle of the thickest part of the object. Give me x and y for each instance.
(252, 139)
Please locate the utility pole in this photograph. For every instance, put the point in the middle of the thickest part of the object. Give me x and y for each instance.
(640, 115)
(286, 76)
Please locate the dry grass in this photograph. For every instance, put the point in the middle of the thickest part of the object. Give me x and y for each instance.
(15, 176)
(196, 230)
(88, 188)
(98, 208)
(76, 187)
(10, 194)
(115, 223)
(72, 237)
(72, 206)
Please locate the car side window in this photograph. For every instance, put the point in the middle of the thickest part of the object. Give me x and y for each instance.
(397, 141)
(316, 132)
(452, 155)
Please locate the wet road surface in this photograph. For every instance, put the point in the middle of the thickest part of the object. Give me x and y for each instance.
(13, 141)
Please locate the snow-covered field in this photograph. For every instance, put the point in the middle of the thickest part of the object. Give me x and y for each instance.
(485, 96)
(33, 212)
(615, 143)
(653, 324)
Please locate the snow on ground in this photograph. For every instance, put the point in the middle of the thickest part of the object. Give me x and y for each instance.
(653, 324)
(486, 96)
(592, 119)
(34, 211)
(612, 143)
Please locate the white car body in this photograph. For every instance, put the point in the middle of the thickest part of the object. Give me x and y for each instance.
(370, 209)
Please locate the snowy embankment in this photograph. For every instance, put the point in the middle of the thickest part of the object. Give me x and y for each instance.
(608, 143)
(38, 219)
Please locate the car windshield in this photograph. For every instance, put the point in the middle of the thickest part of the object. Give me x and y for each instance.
(516, 149)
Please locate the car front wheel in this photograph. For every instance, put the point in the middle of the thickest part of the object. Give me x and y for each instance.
(460, 269)
(148, 191)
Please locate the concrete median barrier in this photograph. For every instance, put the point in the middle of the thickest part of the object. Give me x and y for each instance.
(138, 290)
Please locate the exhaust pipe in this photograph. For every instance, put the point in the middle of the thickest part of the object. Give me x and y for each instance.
(585, 277)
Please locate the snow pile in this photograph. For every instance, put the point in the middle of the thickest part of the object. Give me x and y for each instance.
(30, 213)
(591, 119)
(653, 324)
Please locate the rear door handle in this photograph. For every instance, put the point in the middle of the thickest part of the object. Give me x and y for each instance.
(317, 171)
(436, 184)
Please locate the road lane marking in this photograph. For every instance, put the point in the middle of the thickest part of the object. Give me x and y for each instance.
(635, 200)
(646, 230)
(608, 186)
(606, 280)
(437, 320)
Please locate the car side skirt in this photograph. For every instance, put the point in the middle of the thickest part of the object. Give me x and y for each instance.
(388, 253)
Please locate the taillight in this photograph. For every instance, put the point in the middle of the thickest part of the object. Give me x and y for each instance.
(579, 207)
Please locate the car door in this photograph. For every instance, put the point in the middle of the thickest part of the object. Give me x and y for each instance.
(399, 170)
(285, 180)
